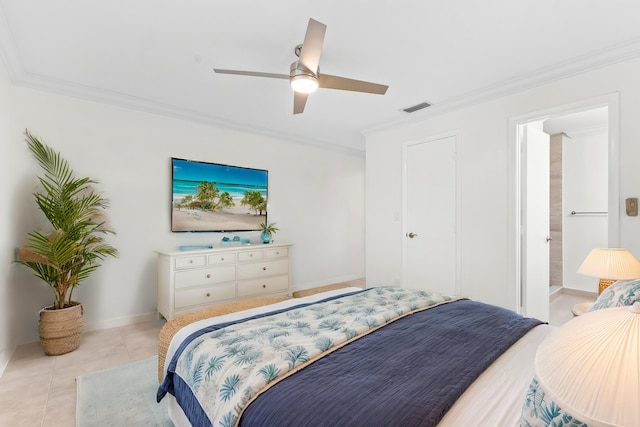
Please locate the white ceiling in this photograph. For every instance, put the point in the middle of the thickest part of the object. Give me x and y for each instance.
(158, 55)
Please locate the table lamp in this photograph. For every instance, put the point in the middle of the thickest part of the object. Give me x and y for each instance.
(590, 367)
(609, 265)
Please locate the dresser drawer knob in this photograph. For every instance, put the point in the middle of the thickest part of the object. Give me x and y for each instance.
(190, 261)
(264, 268)
(208, 294)
(264, 286)
(222, 259)
(208, 276)
(277, 253)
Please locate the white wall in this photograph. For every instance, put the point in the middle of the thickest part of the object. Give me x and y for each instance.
(585, 175)
(483, 162)
(316, 196)
(7, 288)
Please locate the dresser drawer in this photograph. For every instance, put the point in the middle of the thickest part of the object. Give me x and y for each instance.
(250, 256)
(204, 276)
(204, 295)
(193, 280)
(221, 259)
(276, 253)
(263, 269)
(190, 262)
(267, 285)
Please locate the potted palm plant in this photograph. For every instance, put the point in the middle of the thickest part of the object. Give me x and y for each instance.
(66, 254)
(267, 231)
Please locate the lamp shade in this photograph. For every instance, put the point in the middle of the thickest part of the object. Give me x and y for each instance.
(610, 263)
(590, 367)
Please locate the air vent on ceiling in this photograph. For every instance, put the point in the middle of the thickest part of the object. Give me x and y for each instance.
(416, 107)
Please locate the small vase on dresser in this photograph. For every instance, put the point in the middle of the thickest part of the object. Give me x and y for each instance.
(268, 230)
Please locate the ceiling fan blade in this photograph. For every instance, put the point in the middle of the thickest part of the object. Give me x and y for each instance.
(299, 101)
(334, 82)
(312, 45)
(252, 73)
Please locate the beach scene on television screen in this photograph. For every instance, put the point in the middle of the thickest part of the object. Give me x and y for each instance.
(213, 197)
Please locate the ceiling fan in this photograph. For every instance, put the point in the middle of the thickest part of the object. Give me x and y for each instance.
(304, 76)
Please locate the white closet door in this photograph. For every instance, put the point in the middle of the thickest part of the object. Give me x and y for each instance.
(430, 215)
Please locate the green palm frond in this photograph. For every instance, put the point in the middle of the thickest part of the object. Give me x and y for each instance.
(229, 387)
(229, 420)
(214, 365)
(67, 255)
(269, 372)
(323, 343)
(297, 355)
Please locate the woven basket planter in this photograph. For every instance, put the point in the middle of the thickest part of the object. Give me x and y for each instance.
(60, 330)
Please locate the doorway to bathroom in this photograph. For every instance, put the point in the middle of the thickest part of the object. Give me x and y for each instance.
(564, 192)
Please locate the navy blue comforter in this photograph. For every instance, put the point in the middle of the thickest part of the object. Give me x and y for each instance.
(408, 373)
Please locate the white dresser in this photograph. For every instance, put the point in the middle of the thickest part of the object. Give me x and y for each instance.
(195, 279)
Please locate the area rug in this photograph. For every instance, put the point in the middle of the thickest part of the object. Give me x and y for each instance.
(121, 396)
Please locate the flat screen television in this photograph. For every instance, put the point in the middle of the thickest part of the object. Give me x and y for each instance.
(215, 197)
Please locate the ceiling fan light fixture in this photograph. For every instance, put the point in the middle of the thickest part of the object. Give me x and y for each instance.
(304, 73)
(304, 83)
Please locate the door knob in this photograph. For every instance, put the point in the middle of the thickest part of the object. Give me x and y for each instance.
(411, 235)
(549, 238)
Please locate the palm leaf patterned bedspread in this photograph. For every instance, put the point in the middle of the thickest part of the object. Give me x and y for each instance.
(220, 371)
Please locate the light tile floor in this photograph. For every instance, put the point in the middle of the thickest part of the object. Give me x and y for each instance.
(560, 307)
(38, 390)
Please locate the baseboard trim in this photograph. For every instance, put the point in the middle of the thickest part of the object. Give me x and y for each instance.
(89, 326)
(579, 292)
(357, 281)
(555, 294)
(120, 321)
(5, 357)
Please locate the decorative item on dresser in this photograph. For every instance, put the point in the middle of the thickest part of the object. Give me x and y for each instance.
(193, 280)
(267, 231)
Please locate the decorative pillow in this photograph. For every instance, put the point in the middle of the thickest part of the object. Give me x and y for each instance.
(621, 293)
(538, 411)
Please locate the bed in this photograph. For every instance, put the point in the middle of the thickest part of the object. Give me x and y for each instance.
(379, 356)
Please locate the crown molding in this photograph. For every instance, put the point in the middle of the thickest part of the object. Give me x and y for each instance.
(93, 94)
(579, 65)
